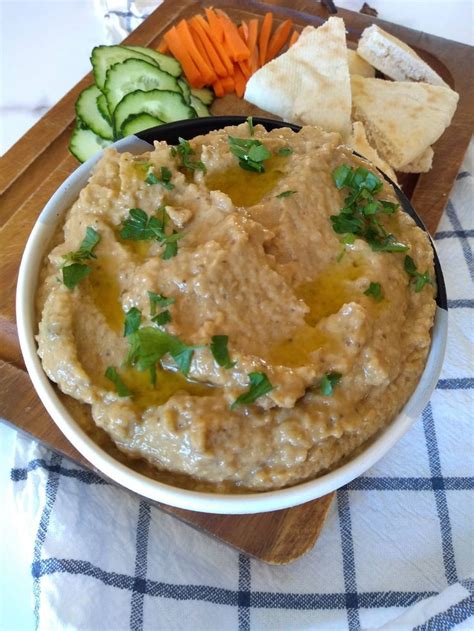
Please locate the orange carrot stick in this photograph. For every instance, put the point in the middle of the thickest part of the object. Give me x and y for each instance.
(207, 49)
(278, 39)
(240, 82)
(265, 37)
(293, 38)
(215, 24)
(218, 45)
(244, 31)
(228, 84)
(237, 48)
(218, 88)
(162, 47)
(245, 68)
(207, 73)
(177, 49)
(252, 44)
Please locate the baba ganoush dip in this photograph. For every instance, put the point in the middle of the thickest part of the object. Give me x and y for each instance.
(242, 311)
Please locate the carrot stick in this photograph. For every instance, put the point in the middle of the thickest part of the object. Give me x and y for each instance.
(278, 39)
(265, 37)
(240, 82)
(218, 45)
(218, 88)
(177, 49)
(245, 68)
(244, 31)
(215, 24)
(238, 50)
(228, 84)
(207, 73)
(207, 49)
(162, 47)
(293, 38)
(252, 44)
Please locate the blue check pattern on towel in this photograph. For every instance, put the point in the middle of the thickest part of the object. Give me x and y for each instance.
(396, 551)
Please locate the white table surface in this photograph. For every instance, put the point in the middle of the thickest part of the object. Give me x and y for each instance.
(44, 51)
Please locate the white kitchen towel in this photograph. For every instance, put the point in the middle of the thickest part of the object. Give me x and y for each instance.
(396, 551)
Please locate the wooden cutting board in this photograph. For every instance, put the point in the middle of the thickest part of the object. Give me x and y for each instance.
(39, 162)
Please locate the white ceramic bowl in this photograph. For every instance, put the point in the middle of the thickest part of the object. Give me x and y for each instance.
(35, 250)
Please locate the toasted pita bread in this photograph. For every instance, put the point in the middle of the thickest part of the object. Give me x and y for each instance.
(402, 119)
(309, 84)
(421, 164)
(395, 58)
(359, 143)
(359, 66)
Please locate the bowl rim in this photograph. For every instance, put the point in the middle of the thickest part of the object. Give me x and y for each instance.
(201, 501)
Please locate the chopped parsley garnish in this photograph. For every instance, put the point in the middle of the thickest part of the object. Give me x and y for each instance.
(132, 322)
(358, 216)
(162, 318)
(149, 344)
(76, 271)
(329, 382)
(418, 280)
(250, 124)
(220, 351)
(158, 300)
(164, 179)
(285, 194)
(250, 152)
(285, 151)
(374, 290)
(121, 389)
(185, 151)
(141, 227)
(259, 385)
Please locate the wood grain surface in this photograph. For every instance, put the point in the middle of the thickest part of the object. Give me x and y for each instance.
(39, 162)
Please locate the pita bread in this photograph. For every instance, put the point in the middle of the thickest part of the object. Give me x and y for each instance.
(395, 58)
(421, 164)
(402, 119)
(360, 144)
(309, 84)
(359, 66)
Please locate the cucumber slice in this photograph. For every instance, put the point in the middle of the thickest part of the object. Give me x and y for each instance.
(185, 90)
(88, 112)
(163, 104)
(84, 143)
(135, 74)
(103, 109)
(104, 57)
(139, 122)
(166, 63)
(199, 107)
(204, 95)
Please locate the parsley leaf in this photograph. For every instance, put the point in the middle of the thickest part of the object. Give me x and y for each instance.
(164, 179)
(285, 194)
(420, 280)
(121, 389)
(74, 273)
(250, 152)
(162, 318)
(220, 351)
(285, 151)
(86, 249)
(375, 291)
(329, 382)
(158, 300)
(140, 227)
(132, 322)
(184, 150)
(250, 124)
(259, 385)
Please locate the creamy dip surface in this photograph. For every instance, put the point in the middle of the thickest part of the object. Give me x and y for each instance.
(331, 331)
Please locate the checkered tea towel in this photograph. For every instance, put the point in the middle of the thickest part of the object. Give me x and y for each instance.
(396, 551)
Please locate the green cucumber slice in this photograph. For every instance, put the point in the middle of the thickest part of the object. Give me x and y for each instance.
(103, 109)
(139, 122)
(132, 75)
(163, 104)
(84, 143)
(203, 94)
(88, 112)
(104, 57)
(166, 63)
(199, 107)
(185, 90)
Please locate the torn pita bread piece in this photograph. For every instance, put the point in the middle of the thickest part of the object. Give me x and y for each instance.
(395, 58)
(359, 66)
(402, 119)
(421, 164)
(359, 143)
(309, 84)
